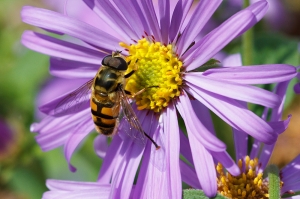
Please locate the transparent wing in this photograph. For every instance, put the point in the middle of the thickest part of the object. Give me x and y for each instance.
(73, 102)
(133, 127)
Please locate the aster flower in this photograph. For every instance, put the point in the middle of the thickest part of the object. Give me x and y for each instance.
(252, 165)
(163, 46)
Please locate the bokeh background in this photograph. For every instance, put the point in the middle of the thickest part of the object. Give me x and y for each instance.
(24, 168)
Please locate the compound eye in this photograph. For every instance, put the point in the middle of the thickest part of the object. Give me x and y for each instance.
(121, 64)
(106, 60)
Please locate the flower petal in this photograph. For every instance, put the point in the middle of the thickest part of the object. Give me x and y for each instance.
(204, 166)
(134, 16)
(203, 12)
(72, 69)
(100, 145)
(62, 49)
(82, 130)
(67, 104)
(228, 109)
(260, 74)
(213, 42)
(189, 175)
(179, 14)
(232, 61)
(259, 9)
(110, 159)
(225, 159)
(171, 130)
(240, 144)
(75, 28)
(233, 90)
(194, 125)
(109, 14)
(164, 15)
(151, 18)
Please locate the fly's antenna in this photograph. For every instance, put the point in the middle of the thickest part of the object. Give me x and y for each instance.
(155, 144)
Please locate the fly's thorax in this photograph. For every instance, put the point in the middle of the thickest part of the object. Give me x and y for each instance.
(107, 80)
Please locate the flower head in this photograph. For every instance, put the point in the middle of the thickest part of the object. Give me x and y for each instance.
(164, 49)
(251, 183)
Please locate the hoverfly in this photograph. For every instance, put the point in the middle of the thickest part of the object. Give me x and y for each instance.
(108, 98)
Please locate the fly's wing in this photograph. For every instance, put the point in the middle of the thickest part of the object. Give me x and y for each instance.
(133, 127)
(70, 103)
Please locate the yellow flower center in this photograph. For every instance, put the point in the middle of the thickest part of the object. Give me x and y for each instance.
(157, 72)
(248, 185)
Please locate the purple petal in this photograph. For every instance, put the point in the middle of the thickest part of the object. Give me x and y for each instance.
(280, 90)
(64, 185)
(260, 74)
(61, 23)
(189, 175)
(290, 169)
(280, 126)
(110, 159)
(109, 14)
(240, 144)
(255, 149)
(212, 43)
(133, 15)
(203, 12)
(156, 177)
(101, 145)
(142, 181)
(265, 156)
(82, 130)
(150, 15)
(228, 109)
(204, 115)
(295, 187)
(181, 10)
(72, 69)
(171, 130)
(225, 159)
(233, 90)
(204, 165)
(62, 49)
(185, 148)
(67, 104)
(297, 88)
(53, 132)
(259, 9)
(194, 126)
(232, 61)
(164, 14)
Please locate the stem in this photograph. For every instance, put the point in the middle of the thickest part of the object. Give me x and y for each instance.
(247, 45)
(274, 182)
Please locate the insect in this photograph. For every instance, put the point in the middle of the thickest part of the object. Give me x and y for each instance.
(108, 97)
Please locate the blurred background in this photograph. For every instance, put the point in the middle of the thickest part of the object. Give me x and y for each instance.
(24, 168)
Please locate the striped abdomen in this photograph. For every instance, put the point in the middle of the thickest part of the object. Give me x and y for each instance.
(105, 102)
(104, 116)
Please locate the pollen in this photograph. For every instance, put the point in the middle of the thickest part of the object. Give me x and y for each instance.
(157, 77)
(248, 185)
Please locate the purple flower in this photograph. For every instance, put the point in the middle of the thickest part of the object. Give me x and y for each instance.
(259, 156)
(166, 49)
(7, 139)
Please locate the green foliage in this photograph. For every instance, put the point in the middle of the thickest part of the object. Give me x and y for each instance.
(198, 194)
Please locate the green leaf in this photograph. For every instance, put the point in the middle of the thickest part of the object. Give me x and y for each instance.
(212, 63)
(198, 194)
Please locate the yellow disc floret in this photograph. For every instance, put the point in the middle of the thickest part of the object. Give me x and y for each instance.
(248, 185)
(157, 74)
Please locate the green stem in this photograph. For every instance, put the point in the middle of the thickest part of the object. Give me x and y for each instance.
(274, 182)
(247, 45)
